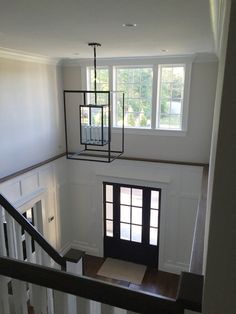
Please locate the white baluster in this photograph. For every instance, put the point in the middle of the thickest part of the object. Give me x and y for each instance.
(75, 268)
(39, 294)
(74, 265)
(17, 286)
(108, 309)
(4, 298)
(28, 245)
(18, 234)
(94, 307)
(38, 254)
(49, 292)
(60, 302)
(39, 299)
(21, 286)
(2, 237)
(10, 236)
(30, 258)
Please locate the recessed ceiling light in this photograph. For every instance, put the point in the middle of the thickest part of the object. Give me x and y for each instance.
(76, 54)
(164, 50)
(129, 25)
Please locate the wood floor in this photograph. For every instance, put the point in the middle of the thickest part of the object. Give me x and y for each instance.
(154, 281)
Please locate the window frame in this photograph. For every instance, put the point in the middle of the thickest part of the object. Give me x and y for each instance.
(154, 63)
(88, 77)
(183, 108)
(130, 66)
(146, 206)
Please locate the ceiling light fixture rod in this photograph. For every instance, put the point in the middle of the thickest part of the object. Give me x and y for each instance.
(95, 45)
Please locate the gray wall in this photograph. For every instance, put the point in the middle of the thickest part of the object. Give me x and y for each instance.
(194, 146)
(31, 121)
(220, 280)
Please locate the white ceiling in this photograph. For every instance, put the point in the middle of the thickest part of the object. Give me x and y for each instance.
(62, 28)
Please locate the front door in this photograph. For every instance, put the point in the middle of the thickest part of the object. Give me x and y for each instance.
(131, 223)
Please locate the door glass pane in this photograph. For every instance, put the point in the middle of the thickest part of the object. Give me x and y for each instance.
(137, 197)
(109, 211)
(137, 215)
(155, 199)
(136, 233)
(125, 231)
(153, 236)
(109, 193)
(109, 228)
(125, 196)
(154, 218)
(124, 213)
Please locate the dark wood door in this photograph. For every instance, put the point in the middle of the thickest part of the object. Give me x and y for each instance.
(131, 223)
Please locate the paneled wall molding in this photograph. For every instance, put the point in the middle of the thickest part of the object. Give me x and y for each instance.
(145, 178)
(39, 185)
(180, 185)
(30, 199)
(25, 56)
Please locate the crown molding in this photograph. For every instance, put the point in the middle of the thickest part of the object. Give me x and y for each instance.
(205, 57)
(25, 56)
(145, 60)
(188, 58)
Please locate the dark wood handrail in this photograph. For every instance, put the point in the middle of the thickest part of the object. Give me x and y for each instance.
(30, 168)
(114, 295)
(174, 162)
(33, 232)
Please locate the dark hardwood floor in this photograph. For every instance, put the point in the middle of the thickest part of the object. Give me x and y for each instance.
(154, 281)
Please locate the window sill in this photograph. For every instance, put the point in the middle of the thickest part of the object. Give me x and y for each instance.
(144, 131)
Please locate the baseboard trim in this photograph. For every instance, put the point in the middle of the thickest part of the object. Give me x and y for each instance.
(173, 268)
(79, 245)
(65, 248)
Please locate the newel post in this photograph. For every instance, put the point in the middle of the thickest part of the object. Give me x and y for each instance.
(74, 264)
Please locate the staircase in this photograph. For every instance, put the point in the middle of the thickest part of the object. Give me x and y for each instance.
(36, 279)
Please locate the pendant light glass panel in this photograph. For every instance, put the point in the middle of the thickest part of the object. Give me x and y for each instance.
(94, 125)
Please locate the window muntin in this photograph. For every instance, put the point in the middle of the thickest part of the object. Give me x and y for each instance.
(171, 97)
(109, 215)
(131, 214)
(168, 102)
(136, 83)
(133, 204)
(102, 84)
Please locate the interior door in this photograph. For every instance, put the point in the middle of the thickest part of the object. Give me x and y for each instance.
(131, 223)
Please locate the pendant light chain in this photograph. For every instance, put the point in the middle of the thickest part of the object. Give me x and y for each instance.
(95, 68)
(94, 45)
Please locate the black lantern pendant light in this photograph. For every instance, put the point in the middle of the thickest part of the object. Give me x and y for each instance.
(94, 123)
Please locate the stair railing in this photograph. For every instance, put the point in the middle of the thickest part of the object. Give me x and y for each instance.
(20, 240)
(31, 230)
(52, 291)
(108, 295)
